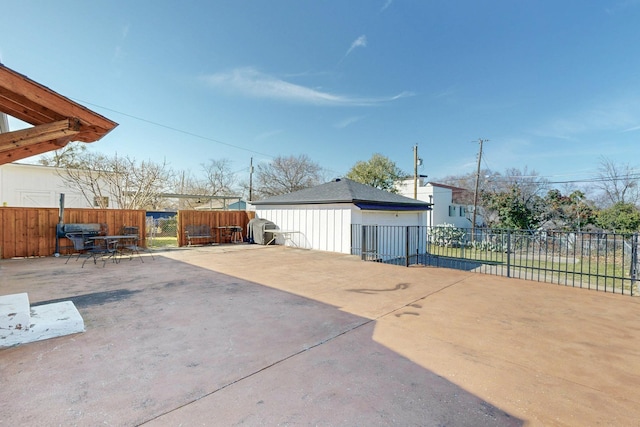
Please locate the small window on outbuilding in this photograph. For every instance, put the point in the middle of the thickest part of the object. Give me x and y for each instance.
(463, 211)
(452, 211)
(101, 202)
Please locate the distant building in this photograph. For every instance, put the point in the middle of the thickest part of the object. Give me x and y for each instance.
(450, 204)
(37, 186)
(323, 217)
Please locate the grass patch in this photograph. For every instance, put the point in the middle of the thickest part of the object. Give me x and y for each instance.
(162, 242)
(603, 273)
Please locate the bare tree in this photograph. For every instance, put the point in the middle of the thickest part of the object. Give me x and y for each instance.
(529, 183)
(122, 181)
(286, 174)
(618, 183)
(67, 157)
(467, 181)
(217, 180)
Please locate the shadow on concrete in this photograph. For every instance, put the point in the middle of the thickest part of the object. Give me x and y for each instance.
(185, 344)
(95, 298)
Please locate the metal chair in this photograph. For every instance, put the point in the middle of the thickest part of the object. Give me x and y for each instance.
(108, 249)
(131, 245)
(80, 245)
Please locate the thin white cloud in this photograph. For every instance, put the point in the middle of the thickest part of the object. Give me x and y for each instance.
(119, 51)
(359, 42)
(617, 116)
(252, 83)
(386, 5)
(267, 135)
(348, 121)
(621, 6)
(631, 129)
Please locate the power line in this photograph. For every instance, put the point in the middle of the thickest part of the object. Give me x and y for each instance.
(175, 129)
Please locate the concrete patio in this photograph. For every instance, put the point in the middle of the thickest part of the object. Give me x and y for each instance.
(253, 335)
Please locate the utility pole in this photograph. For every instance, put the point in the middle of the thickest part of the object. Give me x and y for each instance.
(415, 171)
(251, 180)
(475, 193)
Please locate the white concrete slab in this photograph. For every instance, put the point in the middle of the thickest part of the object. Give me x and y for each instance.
(47, 321)
(14, 312)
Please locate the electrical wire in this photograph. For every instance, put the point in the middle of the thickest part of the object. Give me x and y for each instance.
(217, 141)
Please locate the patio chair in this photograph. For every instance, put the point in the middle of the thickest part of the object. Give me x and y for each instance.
(103, 249)
(131, 245)
(80, 245)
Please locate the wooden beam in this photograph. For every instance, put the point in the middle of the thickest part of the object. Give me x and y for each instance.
(47, 99)
(29, 151)
(23, 109)
(49, 113)
(35, 135)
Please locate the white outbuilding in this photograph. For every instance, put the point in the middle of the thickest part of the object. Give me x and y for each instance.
(327, 217)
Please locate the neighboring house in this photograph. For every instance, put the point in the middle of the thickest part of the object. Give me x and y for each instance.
(25, 185)
(221, 204)
(240, 205)
(450, 204)
(321, 217)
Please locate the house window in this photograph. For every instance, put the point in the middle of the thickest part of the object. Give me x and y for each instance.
(463, 211)
(452, 211)
(100, 202)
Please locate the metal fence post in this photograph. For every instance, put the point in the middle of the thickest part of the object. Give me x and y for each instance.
(508, 253)
(406, 246)
(363, 244)
(634, 261)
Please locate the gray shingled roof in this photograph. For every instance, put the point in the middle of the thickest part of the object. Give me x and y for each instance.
(342, 190)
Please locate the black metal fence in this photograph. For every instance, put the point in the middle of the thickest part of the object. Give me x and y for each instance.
(601, 261)
(400, 245)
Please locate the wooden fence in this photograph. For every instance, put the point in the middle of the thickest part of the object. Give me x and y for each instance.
(213, 219)
(31, 232)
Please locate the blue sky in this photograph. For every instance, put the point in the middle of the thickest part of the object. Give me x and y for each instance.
(553, 85)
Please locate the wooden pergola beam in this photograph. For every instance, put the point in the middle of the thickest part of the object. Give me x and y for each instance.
(23, 143)
(31, 150)
(56, 119)
(36, 134)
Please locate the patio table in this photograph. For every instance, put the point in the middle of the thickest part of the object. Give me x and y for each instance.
(110, 245)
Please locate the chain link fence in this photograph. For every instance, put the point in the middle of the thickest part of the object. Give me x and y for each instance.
(162, 232)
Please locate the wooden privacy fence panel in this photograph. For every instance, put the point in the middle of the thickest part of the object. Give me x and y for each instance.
(213, 219)
(31, 232)
(27, 231)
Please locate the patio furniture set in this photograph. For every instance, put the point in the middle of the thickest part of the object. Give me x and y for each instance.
(92, 241)
(204, 234)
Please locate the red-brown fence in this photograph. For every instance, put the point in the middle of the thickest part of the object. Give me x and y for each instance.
(213, 219)
(31, 232)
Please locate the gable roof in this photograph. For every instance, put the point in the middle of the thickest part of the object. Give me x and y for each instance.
(343, 190)
(56, 120)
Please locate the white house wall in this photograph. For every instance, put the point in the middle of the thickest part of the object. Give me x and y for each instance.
(320, 227)
(444, 211)
(328, 227)
(24, 185)
(402, 218)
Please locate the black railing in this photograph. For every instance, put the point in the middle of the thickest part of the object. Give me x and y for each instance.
(600, 261)
(400, 245)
